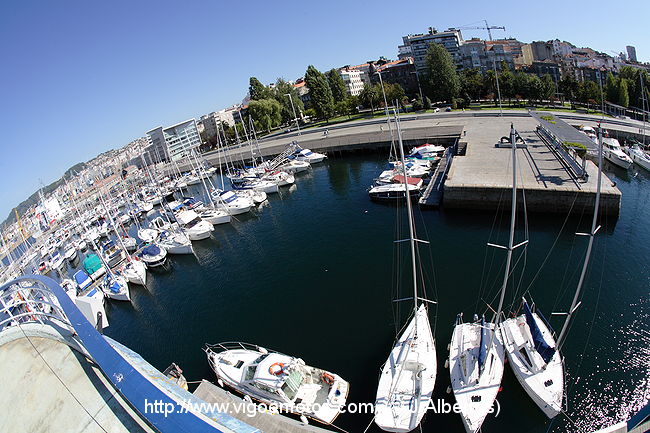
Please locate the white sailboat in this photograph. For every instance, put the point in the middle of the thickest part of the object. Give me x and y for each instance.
(408, 377)
(476, 354)
(532, 351)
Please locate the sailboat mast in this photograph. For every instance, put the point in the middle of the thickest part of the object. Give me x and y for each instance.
(643, 107)
(513, 218)
(592, 233)
(409, 209)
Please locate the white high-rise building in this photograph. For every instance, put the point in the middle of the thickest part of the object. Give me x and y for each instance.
(176, 140)
(353, 80)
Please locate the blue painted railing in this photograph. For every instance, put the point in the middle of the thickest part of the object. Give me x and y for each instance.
(130, 383)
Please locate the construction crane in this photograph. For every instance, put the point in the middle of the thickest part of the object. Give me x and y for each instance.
(487, 27)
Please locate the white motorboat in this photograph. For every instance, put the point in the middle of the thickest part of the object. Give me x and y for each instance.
(135, 271)
(476, 361)
(427, 151)
(112, 254)
(70, 253)
(259, 185)
(392, 191)
(639, 156)
(123, 218)
(281, 178)
(294, 166)
(129, 243)
(56, 261)
(175, 242)
(81, 245)
(534, 359)
(232, 202)
(257, 196)
(613, 152)
(277, 379)
(148, 235)
(194, 227)
(115, 287)
(70, 288)
(146, 206)
(153, 255)
(309, 156)
(214, 216)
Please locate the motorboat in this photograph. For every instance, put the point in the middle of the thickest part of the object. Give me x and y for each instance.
(277, 379)
(175, 242)
(214, 216)
(70, 252)
(281, 178)
(255, 195)
(82, 280)
(129, 243)
(294, 166)
(262, 186)
(94, 267)
(69, 287)
(113, 255)
(613, 152)
(639, 156)
(232, 202)
(81, 245)
(148, 235)
(533, 357)
(309, 156)
(115, 287)
(194, 227)
(153, 255)
(476, 361)
(393, 191)
(56, 261)
(135, 271)
(426, 151)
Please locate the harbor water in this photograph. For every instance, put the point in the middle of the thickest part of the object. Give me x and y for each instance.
(313, 273)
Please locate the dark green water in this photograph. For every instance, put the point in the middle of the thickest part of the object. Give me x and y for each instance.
(312, 274)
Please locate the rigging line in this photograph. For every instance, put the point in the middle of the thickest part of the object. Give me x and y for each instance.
(557, 238)
(593, 318)
(61, 380)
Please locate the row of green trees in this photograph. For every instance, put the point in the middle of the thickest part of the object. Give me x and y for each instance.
(442, 82)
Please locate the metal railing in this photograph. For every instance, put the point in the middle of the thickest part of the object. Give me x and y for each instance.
(38, 299)
(577, 168)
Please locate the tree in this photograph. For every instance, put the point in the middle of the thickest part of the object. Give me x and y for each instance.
(319, 92)
(569, 86)
(548, 88)
(257, 90)
(611, 88)
(337, 85)
(623, 95)
(506, 81)
(394, 92)
(370, 96)
(280, 91)
(441, 79)
(266, 113)
(520, 85)
(535, 87)
(471, 83)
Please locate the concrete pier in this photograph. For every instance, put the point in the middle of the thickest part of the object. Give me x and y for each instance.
(483, 178)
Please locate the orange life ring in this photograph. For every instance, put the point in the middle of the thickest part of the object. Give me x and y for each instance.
(327, 378)
(276, 371)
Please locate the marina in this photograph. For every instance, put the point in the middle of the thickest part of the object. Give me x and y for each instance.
(237, 274)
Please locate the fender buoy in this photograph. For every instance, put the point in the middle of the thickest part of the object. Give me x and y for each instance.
(276, 369)
(327, 378)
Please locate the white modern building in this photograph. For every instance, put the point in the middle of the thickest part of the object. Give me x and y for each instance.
(174, 142)
(353, 80)
(211, 121)
(416, 46)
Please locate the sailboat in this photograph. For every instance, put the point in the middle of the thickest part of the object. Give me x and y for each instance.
(532, 351)
(476, 354)
(409, 375)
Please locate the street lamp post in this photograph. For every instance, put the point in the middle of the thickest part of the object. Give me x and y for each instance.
(417, 78)
(295, 116)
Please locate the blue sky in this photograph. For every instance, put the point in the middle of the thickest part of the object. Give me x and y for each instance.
(81, 77)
